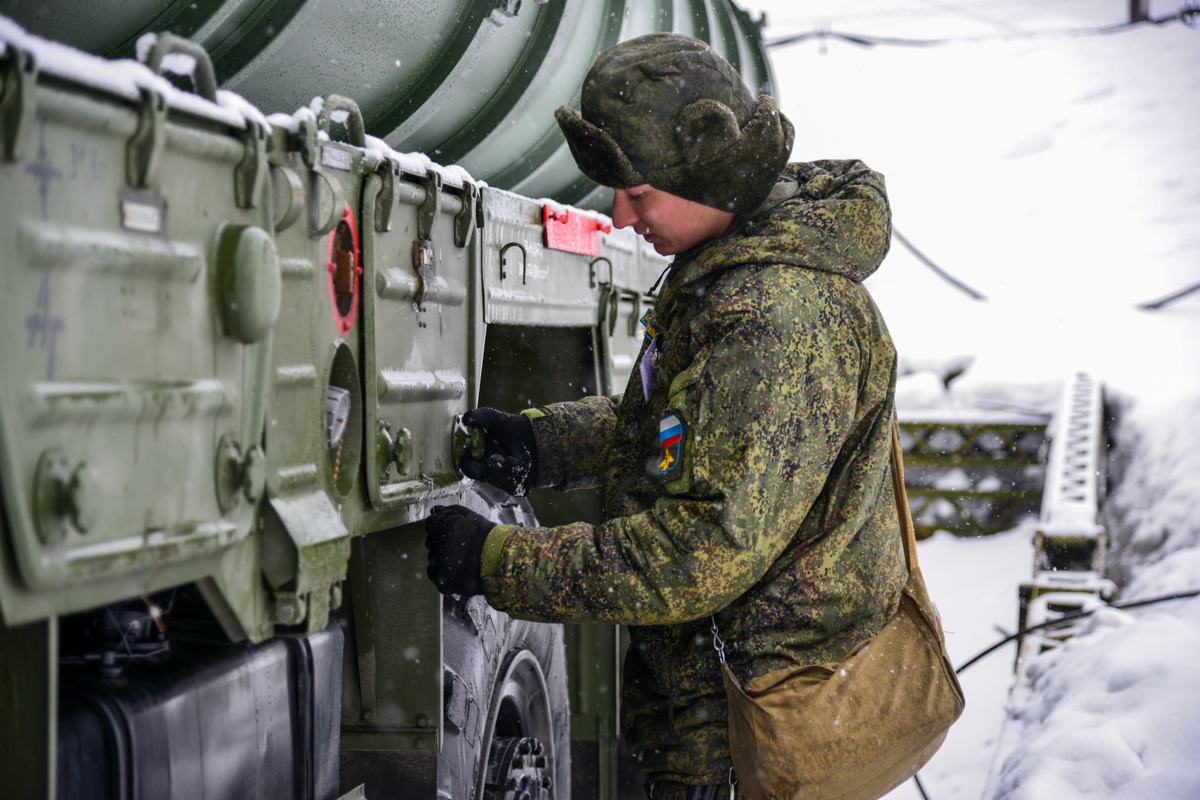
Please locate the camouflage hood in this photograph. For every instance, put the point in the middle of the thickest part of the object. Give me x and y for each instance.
(823, 215)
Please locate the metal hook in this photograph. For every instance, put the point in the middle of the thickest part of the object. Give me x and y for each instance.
(524, 260)
(592, 271)
(718, 645)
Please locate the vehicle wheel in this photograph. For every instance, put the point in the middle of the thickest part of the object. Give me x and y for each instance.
(507, 723)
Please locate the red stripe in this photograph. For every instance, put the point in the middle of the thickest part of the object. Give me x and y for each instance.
(673, 440)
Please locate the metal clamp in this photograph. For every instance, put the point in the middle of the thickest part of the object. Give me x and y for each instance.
(524, 260)
(635, 316)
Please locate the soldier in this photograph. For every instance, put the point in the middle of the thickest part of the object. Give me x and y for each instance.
(745, 467)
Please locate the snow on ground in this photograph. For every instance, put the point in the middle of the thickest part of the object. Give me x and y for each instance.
(973, 582)
(1059, 175)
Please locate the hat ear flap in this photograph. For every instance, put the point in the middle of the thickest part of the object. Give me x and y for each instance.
(703, 128)
(597, 154)
(738, 175)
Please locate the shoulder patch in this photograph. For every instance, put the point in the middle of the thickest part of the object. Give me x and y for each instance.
(670, 435)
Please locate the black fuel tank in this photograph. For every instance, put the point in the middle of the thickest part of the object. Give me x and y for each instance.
(211, 723)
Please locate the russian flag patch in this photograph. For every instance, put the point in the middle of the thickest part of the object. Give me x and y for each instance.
(670, 434)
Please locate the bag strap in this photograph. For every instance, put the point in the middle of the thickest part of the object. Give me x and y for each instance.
(906, 524)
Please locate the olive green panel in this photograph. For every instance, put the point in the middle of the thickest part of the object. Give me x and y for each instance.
(419, 371)
(525, 282)
(315, 491)
(756, 66)
(392, 663)
(139, 298)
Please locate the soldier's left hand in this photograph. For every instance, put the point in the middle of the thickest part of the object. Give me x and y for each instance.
(454, 536)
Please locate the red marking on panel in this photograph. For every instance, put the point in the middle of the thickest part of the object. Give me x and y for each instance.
(344, 317)
(573, 232)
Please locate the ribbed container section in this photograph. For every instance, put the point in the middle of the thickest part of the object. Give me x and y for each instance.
(473, 82)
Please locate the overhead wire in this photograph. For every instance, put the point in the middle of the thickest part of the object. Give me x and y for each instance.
(1171, 298)
(927, 261)
(1189, 15)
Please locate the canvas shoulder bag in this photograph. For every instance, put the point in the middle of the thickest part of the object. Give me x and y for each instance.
(855, 729)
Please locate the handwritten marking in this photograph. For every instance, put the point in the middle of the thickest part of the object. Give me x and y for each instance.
(44, 171)
(43, 328)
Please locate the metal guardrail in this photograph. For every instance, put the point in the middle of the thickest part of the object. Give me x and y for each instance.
(1071, 543)
(973, 474)
(978, 472)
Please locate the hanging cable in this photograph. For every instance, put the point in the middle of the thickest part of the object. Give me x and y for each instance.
(1074, 615)
(927, 261)
(1171, 298)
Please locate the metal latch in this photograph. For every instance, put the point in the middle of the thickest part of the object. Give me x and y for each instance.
(385, 200)
(145, 147)
(250, 176)
(428, 210)
(18, 81)
(464, 220)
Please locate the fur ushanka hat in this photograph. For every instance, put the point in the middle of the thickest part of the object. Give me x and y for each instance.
(667, 110)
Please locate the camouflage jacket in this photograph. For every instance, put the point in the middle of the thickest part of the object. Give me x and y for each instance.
(753, 485)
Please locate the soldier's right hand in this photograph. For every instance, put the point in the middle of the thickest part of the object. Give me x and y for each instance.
(509, 454)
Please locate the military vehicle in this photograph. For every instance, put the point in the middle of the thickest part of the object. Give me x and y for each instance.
(233, 354)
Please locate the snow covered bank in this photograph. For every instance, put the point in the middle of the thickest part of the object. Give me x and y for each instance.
(1113, 713)
(1154, 507)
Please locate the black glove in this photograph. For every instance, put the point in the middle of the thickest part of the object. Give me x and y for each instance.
(454, 536)
(509, 451)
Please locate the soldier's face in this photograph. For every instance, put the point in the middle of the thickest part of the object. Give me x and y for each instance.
(670, 223)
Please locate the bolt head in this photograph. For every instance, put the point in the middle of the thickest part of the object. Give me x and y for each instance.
(83, 497)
